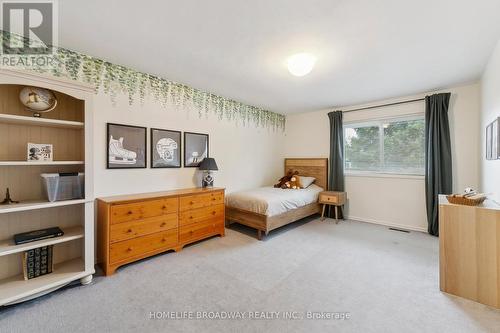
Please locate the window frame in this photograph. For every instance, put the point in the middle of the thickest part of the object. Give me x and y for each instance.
(380, 123)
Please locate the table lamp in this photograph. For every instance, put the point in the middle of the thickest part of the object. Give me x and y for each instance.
(208, 165)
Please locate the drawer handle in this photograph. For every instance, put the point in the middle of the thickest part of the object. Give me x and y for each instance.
(213, 199)
(164, 207)
(163, 224)
(214, 212)
(190, 232)
(163, 240)
(129, 230)
(191, 217)
(191, 202)
(129, 249)
(129, 212)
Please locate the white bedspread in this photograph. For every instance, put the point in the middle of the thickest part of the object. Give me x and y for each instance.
(272, 201)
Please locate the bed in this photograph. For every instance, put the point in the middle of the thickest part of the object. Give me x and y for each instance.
(268, 208)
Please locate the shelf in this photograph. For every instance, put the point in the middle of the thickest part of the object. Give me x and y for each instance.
(16, 288)
(7, 246)
(24, 163)
(22, 120)
(30, 205)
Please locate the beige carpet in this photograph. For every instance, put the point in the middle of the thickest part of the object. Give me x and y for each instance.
(381, 280)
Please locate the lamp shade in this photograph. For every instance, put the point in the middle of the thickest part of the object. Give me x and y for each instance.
(208, 163)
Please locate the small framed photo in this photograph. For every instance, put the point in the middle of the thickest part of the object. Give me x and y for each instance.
(489, 151)
(195, 149)
(126, 146)
(495, 149)
(165, 148)
(40, 152)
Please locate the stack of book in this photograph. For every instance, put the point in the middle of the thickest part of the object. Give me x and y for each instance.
(38, 262)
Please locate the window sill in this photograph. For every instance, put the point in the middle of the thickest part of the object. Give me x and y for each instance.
(383, 175)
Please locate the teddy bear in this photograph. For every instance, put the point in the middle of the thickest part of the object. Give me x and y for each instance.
(283, 180)
(293, 183)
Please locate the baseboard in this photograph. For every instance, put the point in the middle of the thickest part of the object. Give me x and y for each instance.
(387, 224)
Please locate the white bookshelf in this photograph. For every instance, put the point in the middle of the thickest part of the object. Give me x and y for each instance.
(38, 204)
(7, 246)
(38, 163)
(24, 120)
(16, 288)
(69, 130)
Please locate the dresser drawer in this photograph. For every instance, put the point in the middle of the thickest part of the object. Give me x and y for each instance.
(140, 210)
(141, 245)
(201, 200)
(201, 214)
(127, 230)
(194, 232)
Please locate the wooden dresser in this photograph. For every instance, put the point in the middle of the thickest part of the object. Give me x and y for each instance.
(132, 227)
(469, 251)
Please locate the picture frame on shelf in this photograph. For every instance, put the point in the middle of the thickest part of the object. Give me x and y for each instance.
(166, 148)
(196, 148)
(126, 146)
(37, 152)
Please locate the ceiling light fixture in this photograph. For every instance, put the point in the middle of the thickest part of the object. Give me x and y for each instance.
(301, 64)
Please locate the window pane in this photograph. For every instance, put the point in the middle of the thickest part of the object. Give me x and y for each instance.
(362, 148)
(404, 146)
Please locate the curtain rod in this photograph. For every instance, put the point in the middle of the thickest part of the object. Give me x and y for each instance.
(383, 105)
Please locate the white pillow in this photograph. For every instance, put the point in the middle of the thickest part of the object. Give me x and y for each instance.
(305, 182)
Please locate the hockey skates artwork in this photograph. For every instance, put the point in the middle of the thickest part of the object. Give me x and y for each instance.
(120, 155)
(126, 147)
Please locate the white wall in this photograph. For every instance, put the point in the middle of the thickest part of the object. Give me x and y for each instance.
(247, 156)
(395, 200)
(490, 170)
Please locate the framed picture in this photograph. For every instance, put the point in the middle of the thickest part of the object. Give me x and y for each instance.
(489, 151)
(126, 146)
(195, 149)
(165, 148)
(495, 152)
(39, 152)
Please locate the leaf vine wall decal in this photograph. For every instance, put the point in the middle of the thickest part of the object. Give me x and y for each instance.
(113, 79)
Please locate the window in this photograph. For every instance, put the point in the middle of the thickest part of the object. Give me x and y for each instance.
(394, 146)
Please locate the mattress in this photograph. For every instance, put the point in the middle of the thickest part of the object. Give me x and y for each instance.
(272, 201)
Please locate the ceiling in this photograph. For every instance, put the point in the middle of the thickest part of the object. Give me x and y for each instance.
(366, 50)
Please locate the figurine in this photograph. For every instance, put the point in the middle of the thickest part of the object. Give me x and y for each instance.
(8, 200)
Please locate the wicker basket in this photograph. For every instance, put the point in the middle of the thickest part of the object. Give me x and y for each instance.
(459, 199)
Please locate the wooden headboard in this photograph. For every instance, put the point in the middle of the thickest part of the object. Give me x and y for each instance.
(311, 167)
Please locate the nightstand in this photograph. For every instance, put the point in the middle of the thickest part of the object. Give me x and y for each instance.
(333, 199)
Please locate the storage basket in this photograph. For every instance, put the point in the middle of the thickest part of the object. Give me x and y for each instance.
(63, 186)
(459, 199)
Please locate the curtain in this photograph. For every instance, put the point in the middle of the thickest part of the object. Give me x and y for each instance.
(438, 171)
(336, 169)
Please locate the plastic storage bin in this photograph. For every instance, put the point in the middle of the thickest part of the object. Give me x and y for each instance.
(63, 186)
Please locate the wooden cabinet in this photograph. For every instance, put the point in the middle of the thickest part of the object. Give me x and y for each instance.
(133, 227)
(469, 251)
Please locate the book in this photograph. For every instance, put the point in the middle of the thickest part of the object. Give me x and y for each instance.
(38, 262)
(35, 235)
